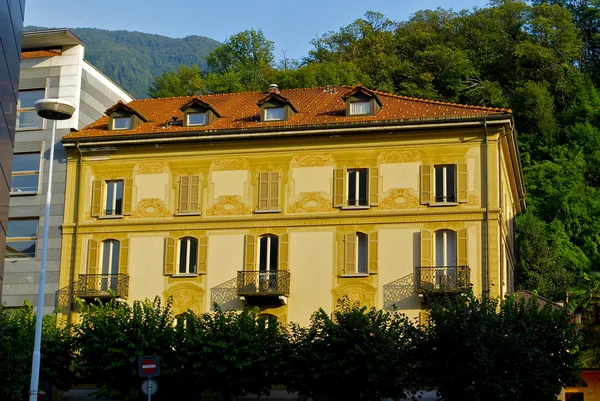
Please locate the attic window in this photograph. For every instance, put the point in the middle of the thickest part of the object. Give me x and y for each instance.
(360, 108)
(121, 122)
(274, 113)
(196, 118)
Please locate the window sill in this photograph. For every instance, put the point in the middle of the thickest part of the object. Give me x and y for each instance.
(23, 193)
(109, 217)
(28, 129)
(443, 204)
(268, 211)
(184, 275)
(188, 214)
(355, 275)
(355, 207)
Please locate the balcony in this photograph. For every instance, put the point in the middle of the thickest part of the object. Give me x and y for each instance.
(442, 279)
(92, 286)
(262, 286)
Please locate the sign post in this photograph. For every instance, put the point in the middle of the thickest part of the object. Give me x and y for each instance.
(148, 366)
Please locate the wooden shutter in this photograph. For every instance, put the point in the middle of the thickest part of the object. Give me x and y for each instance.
(96, 198)
(263, 191)
(127, 196)
(426, 248)
(339, 187)
(374, 186)
(274, 191)
(372, 253)
(424, 317)
(184, 195)
(92, 257)
(194, 205)
(462, 195)
(461, 247)
(202, 255)
(284, 252)
(350, 253)
(124, 257)
(426, 184)
(170, 250)
(250, 253)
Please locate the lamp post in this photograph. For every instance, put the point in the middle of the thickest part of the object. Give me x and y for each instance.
(50, 109)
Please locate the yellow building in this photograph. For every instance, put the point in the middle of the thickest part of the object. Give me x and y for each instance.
(289, 200)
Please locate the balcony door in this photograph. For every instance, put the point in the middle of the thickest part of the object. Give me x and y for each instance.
(445, 258)
(268, 257)
(110, 265)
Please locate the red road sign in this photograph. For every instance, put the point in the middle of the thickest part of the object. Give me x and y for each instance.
(148, 366)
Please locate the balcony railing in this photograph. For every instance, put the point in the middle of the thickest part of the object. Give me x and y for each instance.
(442, 279)
(102, 286)
(263, 283)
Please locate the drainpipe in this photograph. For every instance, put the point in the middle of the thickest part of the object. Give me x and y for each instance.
(75, 234)
(485, 272)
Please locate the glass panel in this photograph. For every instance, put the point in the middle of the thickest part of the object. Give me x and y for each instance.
(106, 257)
(193, 242)
(361, 265)
(114, 198)
(439, 183)
(451, 247)
(440, 260)
(362, 187)
(274, 252)
(196, 119)
(274, 113)
(262, 254)
(119, 199)
(20, 249)
(445, 248)
(110, 196)
(358, 108)
(22, 228)
(451, 183)
(183, 255)
(27, 99)
(121, 122)
(26, 162)
(28, 119)
(352, 187)
(114, 268)
(24, 183)
(574, 396)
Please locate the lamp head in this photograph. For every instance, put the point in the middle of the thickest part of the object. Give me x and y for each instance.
(54, 109)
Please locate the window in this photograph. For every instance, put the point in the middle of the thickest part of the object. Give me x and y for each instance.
(196, 119)
(25, 173)
(188, 255)
(274, 113)
(122, 122)
(27, 117)
(445, 183)
(578, 396)
(268, 252)
(269, 321)
(268, 192)
(356, 187)
(444, 260)
(110, 265)
(360, 108)
(21, 238)
(114, 198)
(445, 248)
(360, 254)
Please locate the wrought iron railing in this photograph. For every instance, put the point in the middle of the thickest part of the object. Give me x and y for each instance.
(263, 282)
(442, 279)
(102, 286)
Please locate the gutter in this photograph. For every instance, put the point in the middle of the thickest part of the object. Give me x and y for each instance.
(75, 235)
(485, 272)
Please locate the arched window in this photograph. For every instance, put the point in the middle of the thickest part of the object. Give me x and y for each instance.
(268, 252)
(445, 248)
(268, 320)
(188, 255)
(110, 264)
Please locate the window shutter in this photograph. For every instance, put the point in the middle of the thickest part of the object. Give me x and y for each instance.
(194, 192)
(263, 191)
(96, 198)
(372, 253)
(374, 186)
(184, 194)
(250, 253)
(202, 255)
(124, 257)
(170, 247)
(350, 253)
(92, 257)
(462, 183)
(274, 191)
(339, 187)
(426, 184)
(424, 317)
(284, 251)
(426, 248)
(461, 248)
(127, 196)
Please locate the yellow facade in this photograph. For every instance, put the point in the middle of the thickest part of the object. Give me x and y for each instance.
(235, 192)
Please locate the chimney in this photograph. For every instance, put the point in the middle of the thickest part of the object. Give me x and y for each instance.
(274, 88)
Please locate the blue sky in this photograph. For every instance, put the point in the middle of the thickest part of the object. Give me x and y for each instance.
(290, 24)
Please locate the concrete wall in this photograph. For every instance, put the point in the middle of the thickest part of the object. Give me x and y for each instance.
(11, 29)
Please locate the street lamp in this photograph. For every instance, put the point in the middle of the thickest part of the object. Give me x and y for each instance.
(50, 109)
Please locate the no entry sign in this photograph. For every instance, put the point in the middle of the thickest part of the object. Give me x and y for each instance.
(148, 366)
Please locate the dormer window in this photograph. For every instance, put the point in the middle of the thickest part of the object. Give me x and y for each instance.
(121, 122)
(274, 113)
(196, 118)
(360, 108)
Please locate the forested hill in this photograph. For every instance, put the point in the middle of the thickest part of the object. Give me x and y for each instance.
(133, 59)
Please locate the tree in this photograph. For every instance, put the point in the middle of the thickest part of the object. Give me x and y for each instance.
(358, 354)
(480, 349)
(186, 81)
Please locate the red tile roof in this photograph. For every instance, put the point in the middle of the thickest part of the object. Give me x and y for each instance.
(316, 107)
(41, 53)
